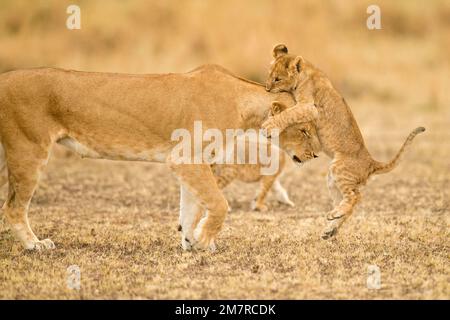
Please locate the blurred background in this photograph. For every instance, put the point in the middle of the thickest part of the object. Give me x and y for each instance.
(404, 64)
(394, 80)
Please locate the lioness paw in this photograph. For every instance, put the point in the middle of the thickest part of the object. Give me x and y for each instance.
(186, 244)
(203, 240)
(205, 245)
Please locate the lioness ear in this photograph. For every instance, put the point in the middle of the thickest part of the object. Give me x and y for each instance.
(277, 107)
(279, 50)
(297, 64)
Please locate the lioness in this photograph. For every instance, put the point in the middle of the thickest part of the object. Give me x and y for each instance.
(338, 132)
(125, 117)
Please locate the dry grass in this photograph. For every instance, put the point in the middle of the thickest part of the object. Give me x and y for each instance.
(118, 220)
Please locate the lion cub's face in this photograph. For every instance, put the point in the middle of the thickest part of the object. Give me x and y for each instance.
(300, 140)
(284, 70)
(279, 77)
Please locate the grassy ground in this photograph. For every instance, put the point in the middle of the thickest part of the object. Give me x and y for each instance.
(117, 221)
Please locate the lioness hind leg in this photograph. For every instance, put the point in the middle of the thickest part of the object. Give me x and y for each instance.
(201, 183)
(344, 187)
(265, 185)
(24, 165)
(281, 194)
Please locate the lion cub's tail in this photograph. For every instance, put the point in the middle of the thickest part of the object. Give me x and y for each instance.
(381, 167)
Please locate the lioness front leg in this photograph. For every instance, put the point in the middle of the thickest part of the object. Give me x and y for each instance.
(190, 214)
(201, 183)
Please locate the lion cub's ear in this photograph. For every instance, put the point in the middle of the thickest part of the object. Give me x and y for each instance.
(297, 64)
(279, 50)
(277, 107)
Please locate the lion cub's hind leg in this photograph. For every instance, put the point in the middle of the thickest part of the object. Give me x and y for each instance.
(24, 164)
(344, 189)
(335, 193)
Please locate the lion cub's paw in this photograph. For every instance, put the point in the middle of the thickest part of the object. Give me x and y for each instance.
(45, 244)
(334, 214)
(332, 229)
(329, 233)
(270, 125)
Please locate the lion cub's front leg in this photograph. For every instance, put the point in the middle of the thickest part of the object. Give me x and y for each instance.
(301, 112)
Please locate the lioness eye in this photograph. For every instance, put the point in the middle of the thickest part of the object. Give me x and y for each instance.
(277, 79)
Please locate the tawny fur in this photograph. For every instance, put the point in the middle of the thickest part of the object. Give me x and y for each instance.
(338, 132)
(250, 173)
(299, 140)
(125, 117)
(305, 143)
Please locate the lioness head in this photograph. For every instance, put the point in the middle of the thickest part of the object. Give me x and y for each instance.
(284, 70)
(300, 140)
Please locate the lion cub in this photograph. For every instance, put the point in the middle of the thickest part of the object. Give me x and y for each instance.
(303, 142)
(337, 130)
